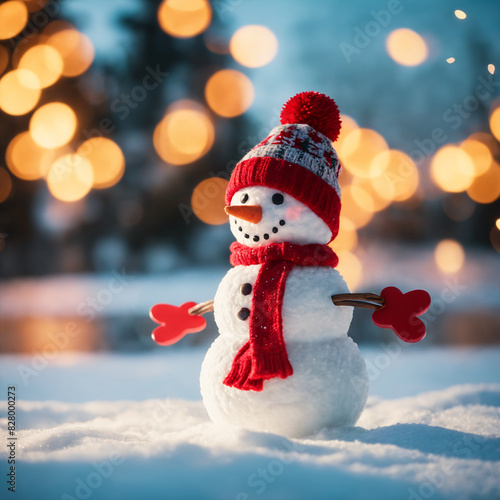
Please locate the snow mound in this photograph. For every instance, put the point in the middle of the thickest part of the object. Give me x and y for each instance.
(444, 444)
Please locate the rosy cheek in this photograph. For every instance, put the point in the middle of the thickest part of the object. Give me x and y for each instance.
(293, 213)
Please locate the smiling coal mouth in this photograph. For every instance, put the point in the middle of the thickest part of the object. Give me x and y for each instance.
(257, 237)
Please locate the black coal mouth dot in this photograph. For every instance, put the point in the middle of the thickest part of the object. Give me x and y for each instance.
(256, 237)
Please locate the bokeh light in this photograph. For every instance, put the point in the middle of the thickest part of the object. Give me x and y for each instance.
(5, 184)
(486, 187)
(208, 200)
(253, 46)
(495, 123)
(4, 58)
(184, 18)
(70, 177)
(350, 268)
(450, 60)
(347, 238)
(497, 224)
(452, 169)
(449, 256)
(399, 180)
(406, 47)
(460, 14)
(13, 18)
(359, 148)
(185, 134)
(35, 5)
(106, 159)
(19, 92)
(479, 153)
(348, 125)
(229, 93)
(26, 159)
(45, 62)
(491, 69)
(53, 125)
(357, 205)
(76, 50)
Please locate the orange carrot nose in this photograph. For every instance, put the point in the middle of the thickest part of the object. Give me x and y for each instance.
(250, 213)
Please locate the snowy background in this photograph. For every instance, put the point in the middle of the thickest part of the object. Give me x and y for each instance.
(103, 413)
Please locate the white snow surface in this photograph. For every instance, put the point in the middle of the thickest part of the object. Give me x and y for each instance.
(133, 427)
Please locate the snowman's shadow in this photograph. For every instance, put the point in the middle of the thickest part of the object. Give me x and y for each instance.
(424, 438)
(427, 439)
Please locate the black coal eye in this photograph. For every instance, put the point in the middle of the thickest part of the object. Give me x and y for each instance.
(278, 199)
(244, 198)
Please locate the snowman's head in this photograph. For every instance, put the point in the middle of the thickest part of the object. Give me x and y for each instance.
(260, 215)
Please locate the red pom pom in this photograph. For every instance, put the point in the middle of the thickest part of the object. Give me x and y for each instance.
(314, 109)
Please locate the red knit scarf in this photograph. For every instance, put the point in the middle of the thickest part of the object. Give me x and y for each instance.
(264, 356)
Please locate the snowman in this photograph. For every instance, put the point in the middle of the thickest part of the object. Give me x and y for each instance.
(283, 362)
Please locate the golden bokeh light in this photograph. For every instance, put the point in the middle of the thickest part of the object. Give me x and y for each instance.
(185, 134)
(45, 62)
(106, 159)
(184, 18)
(480, 155)
(13, 18)
(70, 178)
(4, 58)
(399, 180)
(35, 5)
(53, 125)
(377, 202)
(229, 93)
(347, 238)
(76, 50)
(491, 69)
(359, 148)
(449, 256)
(359, 215)
(460, 14)
(208, 201)
(450, 60)
(495, 123)
(253, 46)
(406, 47)
(5, 184)
(452, 169)
(488, 140)
(26, 159)
(348, 125)
(19, 92)
(486, 187)
(350, 268)
(497, 224)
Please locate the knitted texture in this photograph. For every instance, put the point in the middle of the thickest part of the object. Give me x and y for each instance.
(298, 158)
(264, 356)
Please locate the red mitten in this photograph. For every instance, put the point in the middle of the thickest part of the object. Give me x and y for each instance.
(175, 322)
(400, 313)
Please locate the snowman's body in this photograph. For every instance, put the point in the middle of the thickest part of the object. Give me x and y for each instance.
(329, 384)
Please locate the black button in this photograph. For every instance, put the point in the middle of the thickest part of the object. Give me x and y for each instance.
(256, 238)
(282, 222)
(246, 289)
(275, 229)
(243, 313)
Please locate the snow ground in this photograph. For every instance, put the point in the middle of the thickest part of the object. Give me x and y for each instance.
(132, 427)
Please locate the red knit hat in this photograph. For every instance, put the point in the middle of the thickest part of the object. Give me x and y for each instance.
(298, 157)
